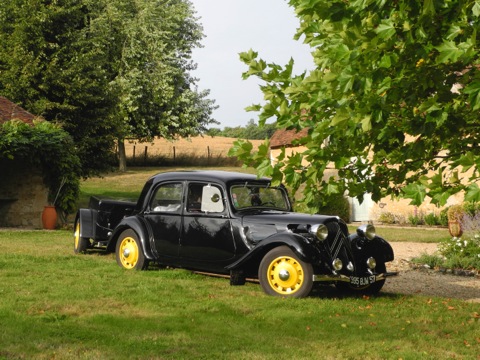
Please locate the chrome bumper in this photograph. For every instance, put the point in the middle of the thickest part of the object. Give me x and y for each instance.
(344, 278)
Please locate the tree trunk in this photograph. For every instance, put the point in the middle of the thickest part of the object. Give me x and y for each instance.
(122, 157)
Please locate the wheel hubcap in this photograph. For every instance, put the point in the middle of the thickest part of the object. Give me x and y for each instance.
(76, 235)
(129, 253)
(285, 275)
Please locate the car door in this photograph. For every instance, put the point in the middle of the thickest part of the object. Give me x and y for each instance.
(164, 217)
(207, 241)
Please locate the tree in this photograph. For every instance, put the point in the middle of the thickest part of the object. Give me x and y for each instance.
(392, 104)
(104, 69)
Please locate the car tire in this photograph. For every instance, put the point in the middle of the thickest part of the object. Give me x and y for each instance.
(282, 273)
(80, 244)
(129, 252)
(371, 289)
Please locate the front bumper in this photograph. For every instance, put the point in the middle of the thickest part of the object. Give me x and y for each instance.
(352, 279)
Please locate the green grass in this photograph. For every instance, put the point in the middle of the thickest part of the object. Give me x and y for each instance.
(415, 234)
(55, 304)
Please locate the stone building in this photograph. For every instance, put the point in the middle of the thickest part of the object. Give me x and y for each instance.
(23, 193)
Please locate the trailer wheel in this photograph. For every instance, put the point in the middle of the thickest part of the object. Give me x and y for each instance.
(80, 244)
(129, 251)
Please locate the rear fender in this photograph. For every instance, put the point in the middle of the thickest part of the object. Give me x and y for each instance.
(140, 227)
(299, 245)
(87, 219)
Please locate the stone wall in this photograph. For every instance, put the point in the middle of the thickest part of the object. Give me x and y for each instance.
(23, 195)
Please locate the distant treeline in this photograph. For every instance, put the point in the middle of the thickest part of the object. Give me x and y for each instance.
(251, 132)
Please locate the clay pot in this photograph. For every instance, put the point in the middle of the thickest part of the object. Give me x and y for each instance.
(49, 217)
(454, 228)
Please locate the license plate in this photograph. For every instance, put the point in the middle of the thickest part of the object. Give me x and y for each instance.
(362, 280)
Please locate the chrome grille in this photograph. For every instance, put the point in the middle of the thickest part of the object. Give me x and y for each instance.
(338, 243)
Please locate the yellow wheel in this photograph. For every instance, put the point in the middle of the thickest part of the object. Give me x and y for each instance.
(129, 251)
(282, 273)
(80, 244)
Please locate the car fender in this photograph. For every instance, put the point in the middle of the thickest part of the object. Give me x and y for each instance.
(87, 219)
(140, 227)
(379, 247)
(299, 245)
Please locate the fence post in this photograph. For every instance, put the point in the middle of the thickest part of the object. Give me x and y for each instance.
(145, 156)
(174, 154)
(133, 154)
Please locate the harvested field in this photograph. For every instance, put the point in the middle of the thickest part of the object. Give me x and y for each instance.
(206, 146)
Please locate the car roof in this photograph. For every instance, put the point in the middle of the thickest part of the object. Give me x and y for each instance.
(207, 175)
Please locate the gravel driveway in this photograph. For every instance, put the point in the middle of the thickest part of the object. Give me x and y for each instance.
(427, 282)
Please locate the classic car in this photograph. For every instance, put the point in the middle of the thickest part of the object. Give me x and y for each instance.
(234, 224)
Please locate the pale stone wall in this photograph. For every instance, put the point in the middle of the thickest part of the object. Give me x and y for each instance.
(23, 195)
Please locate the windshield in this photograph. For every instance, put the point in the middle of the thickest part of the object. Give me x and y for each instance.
(253, 196)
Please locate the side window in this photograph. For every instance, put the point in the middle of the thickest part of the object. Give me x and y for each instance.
(205, 198)
(167, 198)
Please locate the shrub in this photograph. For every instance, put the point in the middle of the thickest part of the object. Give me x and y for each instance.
(416, 219)
(336, 205)
(387, 217)
(443, 218)
(455, 212)
(431, 219)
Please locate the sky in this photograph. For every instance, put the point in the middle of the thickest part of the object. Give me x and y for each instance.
(234, 26)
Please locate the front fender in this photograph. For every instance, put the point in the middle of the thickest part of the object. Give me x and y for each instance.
(379, 247)
(142, 229)
(299, 245)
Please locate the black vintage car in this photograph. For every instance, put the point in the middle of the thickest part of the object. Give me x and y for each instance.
(234, 224)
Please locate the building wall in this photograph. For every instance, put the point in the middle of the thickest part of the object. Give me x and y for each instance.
(400, 208)
(23, 195)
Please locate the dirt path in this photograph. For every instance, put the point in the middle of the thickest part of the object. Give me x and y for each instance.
(427, 283)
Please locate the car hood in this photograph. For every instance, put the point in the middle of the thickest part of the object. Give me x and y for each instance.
(260, 225)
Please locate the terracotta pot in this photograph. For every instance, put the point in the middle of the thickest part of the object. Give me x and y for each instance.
(454, 228)
(49, 217)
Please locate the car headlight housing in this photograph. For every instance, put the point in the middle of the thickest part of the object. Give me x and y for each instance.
(367, 231)
(320, 231)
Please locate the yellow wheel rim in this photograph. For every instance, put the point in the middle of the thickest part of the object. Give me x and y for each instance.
(128, 252)
(285, 275)
(76, 235)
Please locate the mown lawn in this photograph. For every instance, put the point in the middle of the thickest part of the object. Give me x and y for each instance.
(57, 305)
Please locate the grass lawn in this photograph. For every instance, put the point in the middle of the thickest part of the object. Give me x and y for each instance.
(57, 305)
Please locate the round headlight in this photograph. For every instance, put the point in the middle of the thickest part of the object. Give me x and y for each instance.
(320, 231)
(367, 231)
(371, 263)
(337, 264)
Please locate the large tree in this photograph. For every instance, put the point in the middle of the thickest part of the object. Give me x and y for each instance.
(392, 105)
(105, 69)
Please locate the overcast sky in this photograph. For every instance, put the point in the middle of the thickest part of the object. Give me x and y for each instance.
(234, 26)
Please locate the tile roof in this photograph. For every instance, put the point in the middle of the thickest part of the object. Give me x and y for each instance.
(285, 138)
(10, 110)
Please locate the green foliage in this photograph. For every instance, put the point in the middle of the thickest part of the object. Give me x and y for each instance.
(431, 219)
(250, 132)
(379, 106)
(49, 147)
(104, 69)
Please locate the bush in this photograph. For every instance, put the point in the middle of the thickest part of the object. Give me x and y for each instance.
(336, 205)
(431, 219)
(416, 219)
(387, 218)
